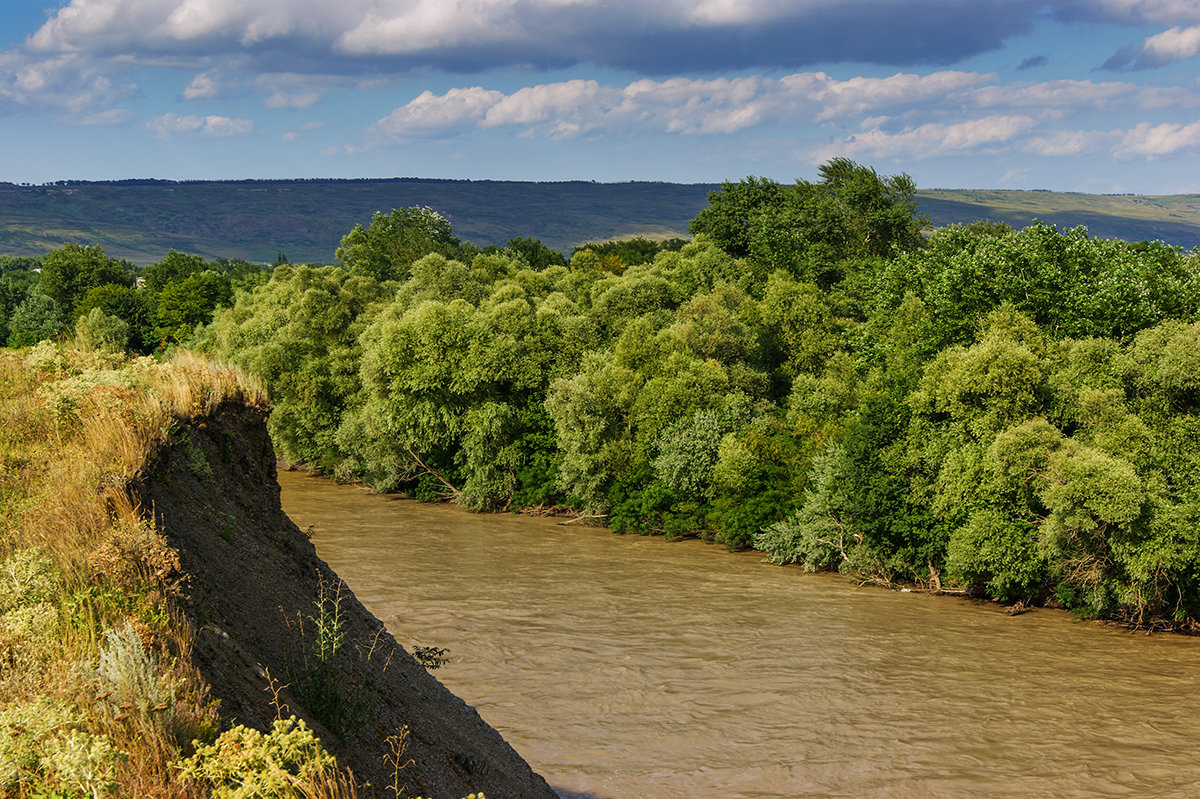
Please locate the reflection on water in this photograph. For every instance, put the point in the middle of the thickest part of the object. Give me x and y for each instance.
(621, 666)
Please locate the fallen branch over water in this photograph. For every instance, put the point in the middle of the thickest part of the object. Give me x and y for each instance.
(585, 517)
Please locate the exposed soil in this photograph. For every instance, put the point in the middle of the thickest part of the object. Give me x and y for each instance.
(251, 584)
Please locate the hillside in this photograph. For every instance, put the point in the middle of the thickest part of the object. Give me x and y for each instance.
(1174, 219)
(140, 220)
(254, 220)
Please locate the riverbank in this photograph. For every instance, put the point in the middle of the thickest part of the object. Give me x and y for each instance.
(154, 597)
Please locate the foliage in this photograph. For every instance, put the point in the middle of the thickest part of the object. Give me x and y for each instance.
(36, 318)
(1009, 413)
(42, 749)
(388, 247)
(123, 303)
(97, 330)
(630, 252)
(316, 668)
(243, 763)
(70, 272)
(814, 231)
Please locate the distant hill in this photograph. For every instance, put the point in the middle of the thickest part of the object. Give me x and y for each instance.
(1174, 219)
(305, 219)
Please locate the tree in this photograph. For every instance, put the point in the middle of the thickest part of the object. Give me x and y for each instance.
(176, 266)
(35, 319)
(124, 303)
(387, 248)
(189, 302)
(537, 255)
(815, 231)
(70, 272)
(11, 295)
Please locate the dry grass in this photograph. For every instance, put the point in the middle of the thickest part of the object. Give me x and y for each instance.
(75, 428)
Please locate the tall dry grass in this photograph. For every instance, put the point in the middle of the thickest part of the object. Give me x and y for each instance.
(75, 428)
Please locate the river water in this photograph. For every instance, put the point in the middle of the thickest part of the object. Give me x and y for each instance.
(622, 666)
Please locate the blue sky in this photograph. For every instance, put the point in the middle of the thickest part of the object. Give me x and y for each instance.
(1077, 95)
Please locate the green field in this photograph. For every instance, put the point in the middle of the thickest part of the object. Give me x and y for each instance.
(305, 219)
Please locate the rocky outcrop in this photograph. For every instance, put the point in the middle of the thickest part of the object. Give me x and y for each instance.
(253, 590)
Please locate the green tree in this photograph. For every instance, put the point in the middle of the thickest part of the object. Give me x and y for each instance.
(70, 272)
(173, 268)
(388, 247)
(535, 254)
(124, 303)
(816, 231)
(36, 318)
(12, 294)
(188, 302)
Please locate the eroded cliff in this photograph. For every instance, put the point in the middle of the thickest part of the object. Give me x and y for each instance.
(276, 632)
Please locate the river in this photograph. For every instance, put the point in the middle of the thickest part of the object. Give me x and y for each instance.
(623, 666)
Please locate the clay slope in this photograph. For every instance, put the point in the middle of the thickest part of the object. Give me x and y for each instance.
(251, 584)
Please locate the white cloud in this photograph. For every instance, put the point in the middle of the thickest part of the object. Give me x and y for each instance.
(857, 96)
(1153, 141)
(565, 104)
(1067, 143)
(395, 28)
(62, 82)
(171, 125)
(1173, 44)
(203, 87)
(1057, 95)
(930, 140)
(947, 104)
(432, 115)
(661, 37)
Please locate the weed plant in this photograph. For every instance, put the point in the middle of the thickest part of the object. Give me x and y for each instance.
(316, 665)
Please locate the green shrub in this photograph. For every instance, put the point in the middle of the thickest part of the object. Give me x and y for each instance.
(42, 751)
(243, 763)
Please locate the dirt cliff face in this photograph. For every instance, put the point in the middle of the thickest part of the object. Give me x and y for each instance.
(253, 590)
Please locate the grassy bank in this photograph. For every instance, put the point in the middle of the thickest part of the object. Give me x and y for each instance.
(98, 693)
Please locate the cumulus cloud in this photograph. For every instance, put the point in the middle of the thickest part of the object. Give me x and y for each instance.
(660, 37)
(1153, 141)
(171, 125)
(63, 82)
(930, 140)
(438, 115)
(689, 106)
(1174, 44)
(203, 87)
(1064, 143)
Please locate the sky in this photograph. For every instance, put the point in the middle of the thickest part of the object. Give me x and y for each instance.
(1068, 95)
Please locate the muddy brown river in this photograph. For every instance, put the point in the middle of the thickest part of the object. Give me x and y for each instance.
(621, 666)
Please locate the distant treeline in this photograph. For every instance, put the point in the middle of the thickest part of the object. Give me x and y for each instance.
(1008, 413)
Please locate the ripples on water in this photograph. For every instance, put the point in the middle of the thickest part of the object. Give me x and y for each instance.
(622, 666)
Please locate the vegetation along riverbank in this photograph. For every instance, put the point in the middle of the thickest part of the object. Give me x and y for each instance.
(165, 630)
(1008, 413)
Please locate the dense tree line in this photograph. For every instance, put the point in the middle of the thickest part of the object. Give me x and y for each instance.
(1011, 413)
(80, 290)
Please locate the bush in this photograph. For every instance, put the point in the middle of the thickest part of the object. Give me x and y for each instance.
(245, 764)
